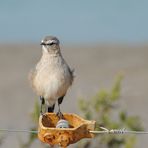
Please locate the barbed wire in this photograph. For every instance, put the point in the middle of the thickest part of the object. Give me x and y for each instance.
(103, 131)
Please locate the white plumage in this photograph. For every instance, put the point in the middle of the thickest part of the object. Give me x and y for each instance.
(51, 77)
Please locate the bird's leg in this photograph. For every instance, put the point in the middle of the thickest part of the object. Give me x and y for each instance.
(59, 113)
(42, 103)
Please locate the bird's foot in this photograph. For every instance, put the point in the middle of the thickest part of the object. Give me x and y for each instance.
(60, 115)
(41, 113)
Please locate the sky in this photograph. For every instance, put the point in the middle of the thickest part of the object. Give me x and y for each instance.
(74, 21)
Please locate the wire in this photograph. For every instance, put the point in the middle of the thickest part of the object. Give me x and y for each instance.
(18, 130)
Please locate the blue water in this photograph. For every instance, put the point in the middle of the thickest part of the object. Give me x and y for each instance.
(76, 21)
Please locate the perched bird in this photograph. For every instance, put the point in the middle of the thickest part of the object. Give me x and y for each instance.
(51, 77)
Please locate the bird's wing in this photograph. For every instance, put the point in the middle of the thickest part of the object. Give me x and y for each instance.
(71, 71)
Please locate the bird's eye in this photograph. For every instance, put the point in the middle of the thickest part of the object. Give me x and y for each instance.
(50, 43)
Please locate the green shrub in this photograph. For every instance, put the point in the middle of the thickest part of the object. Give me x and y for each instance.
(104, 109)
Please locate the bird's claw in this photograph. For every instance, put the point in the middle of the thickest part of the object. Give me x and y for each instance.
(60, 115)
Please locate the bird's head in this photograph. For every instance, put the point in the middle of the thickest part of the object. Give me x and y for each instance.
(50, 44)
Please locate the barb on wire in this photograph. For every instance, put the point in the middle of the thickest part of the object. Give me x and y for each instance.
(117, 131)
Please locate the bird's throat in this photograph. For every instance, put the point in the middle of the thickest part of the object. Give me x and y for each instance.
(44, 49)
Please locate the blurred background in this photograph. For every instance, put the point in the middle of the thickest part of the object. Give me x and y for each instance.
(99, 39)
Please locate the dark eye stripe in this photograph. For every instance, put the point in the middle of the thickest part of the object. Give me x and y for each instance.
(48, 44)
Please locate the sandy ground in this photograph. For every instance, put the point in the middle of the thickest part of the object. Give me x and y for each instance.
(95, 68)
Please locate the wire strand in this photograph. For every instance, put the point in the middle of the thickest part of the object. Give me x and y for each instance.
(19, 131)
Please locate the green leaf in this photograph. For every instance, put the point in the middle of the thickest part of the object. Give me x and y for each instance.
(123, 116)
(36, 112)
(115, 92)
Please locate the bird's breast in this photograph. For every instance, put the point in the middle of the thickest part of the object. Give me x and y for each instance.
(52, 80)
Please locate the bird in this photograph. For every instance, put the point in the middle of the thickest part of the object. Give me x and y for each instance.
(51, 77)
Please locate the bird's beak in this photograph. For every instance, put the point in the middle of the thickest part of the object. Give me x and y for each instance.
(43, 43)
